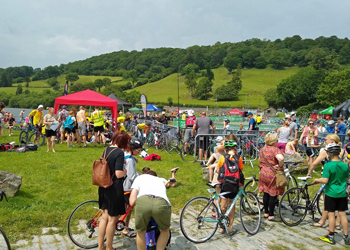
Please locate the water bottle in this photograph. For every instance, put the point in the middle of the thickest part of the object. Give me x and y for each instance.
(151, 245)
(286, 172)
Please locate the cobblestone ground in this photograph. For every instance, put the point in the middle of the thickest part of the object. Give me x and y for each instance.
(272, 235)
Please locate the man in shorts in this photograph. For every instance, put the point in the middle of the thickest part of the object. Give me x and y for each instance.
(148, 193)
(62, 115)
(97, 118)
(190, 121)
(202, 125)
(82, 128)
(2, 118)
(335, 175)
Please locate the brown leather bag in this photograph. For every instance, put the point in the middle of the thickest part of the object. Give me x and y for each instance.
(281, 179)
(101, 175)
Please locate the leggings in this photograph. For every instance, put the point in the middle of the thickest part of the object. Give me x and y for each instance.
(269, 204)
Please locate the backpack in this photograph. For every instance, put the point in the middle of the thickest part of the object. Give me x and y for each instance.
(68, 123)
(63, 115)
(230, 175)
(190, 121)
(101, 175)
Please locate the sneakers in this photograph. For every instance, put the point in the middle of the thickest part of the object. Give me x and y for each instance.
(346, 240)
(330, 239)
(174, 170)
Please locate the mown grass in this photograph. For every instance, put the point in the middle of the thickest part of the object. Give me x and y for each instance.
(255, 82)
(54, 184)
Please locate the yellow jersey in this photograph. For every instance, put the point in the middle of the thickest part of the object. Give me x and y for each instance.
(97, 118)
(37, 116)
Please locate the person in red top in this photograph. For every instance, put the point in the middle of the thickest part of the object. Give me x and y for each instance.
(231, 149)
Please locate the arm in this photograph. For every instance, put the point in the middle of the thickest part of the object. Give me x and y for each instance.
(321, 180)
(46, 122)
(280, 159)
(194, 129)
(296, 134)
(131, 174)
(133, 196)
(119, 164)
(214, 128)
(321, 157)
(316, 133)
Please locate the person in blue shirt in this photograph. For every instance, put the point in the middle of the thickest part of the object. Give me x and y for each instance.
(340, 128)
(252, 121)
(330, 128)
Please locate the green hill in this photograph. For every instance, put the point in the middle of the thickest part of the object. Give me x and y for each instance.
(255, 82)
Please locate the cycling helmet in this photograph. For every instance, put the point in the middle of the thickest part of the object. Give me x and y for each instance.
(135, 143)
(347, 148)
(230, 144)
(333, 149)
(227, 120)
(331, 122)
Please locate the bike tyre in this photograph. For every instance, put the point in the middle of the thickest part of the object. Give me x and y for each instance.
(5, 241)
(287, 203)
(23, 137)
(40, 142)
(250, 213)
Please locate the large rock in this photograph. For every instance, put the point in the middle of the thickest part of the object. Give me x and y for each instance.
(298, 163)
(10, 183)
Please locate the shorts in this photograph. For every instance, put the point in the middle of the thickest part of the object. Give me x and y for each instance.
(49, 133)
(82, 128)
(188, 134)
(229, 195)
(99, 128)
(147, 207)
(62, 128)
(335, 204)
(127, 197)
(310, 152)
(68, 130)
(202, 141)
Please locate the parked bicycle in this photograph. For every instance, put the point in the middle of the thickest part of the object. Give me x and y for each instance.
(32, 135)
(201, 217)
(295, 203)
(4, 241)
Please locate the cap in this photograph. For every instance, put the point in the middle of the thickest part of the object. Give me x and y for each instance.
(249, 113)
(163, 113)
(219, 138)
(40, 106)
(286, 116)
(330, 122)
(190, 112)
(64, 107)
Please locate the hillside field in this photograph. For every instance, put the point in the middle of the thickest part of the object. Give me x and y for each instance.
(255, 82)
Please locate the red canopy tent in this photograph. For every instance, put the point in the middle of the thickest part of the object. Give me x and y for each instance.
(235, 112)
(88, 97)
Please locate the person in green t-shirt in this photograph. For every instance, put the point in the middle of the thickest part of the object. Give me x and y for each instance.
(335, 175)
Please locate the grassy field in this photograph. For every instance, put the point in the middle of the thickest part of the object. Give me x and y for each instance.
(54, 184)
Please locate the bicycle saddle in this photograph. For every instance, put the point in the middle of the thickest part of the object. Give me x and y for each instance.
(304, 178)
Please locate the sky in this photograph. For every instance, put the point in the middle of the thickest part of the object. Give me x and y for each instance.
(40, 33)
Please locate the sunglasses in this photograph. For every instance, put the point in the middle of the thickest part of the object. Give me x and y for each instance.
(311, 123)
(272, 132)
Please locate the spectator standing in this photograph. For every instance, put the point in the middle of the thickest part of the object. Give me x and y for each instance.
(63, 115)
(149, 195)
(331, 127)
(97, 118)
(190, 121)
(293, 127)
(340, 128)
(70, 131)
(2, 117)
(21, 116)
(227, 127)
(309, 139)
(270, 156)
(252, 122)
(321, 128)
(202, 125)
(11, 122)
(163, 119)
(36, 116)
(284, 133)
(82, 126)
(49, 120)
(111, 200)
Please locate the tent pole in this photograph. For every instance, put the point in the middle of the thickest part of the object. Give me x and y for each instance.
(178, 100)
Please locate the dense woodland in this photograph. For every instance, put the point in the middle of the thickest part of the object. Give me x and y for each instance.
(324, 60)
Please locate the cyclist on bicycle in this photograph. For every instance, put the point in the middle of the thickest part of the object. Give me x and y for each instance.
(231, 151)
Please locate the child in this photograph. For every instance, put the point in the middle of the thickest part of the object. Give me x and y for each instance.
(231, 150)
(172, 181)
(310, 148)
(290, 149)
(335, 175)
(10, 123)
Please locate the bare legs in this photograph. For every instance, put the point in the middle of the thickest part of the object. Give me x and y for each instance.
(107, 227)
(161, 242)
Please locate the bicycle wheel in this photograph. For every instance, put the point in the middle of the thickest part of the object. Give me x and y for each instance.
(292, 182)
(172, 145)
(37, 138)
(292, 208)
(252, 186)
(190, 155)
(83, 224)
(320, 203)
(198, 219)
(23, 137)
(250, 213)
(4, 241)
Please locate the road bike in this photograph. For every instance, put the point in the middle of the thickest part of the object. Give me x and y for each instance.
(295, 203)
(201, 217)
(191, 154)
(4, 241)
(32, 135)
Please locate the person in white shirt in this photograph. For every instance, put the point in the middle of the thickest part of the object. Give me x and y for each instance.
(148, 193)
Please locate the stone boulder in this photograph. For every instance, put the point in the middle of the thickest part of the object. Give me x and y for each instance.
(298, 163)
(10, 183)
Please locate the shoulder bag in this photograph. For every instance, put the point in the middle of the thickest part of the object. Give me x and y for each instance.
(281, 179)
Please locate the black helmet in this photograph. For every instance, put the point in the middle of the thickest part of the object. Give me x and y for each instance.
(135, 143)
(347, 148)
(333, 149)
(227, 120)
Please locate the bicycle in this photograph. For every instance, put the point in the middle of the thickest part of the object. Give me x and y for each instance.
(4, 241)
(191, 154)
(201, 217)
(174, 142)
(83, 223)
(36, 137)
(295, 203)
